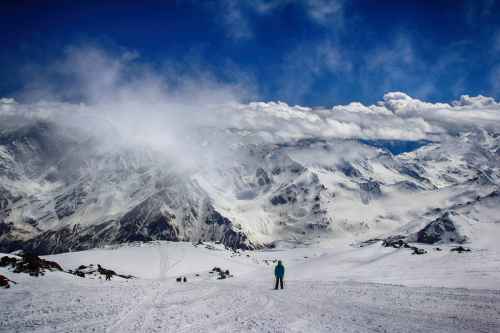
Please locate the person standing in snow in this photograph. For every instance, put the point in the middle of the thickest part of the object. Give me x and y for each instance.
(279, 273)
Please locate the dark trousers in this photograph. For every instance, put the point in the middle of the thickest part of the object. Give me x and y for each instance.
(280, 281)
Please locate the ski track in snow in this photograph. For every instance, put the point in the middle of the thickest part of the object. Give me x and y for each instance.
(247, 305)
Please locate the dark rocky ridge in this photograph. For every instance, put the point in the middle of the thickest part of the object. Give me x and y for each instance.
(441, 229)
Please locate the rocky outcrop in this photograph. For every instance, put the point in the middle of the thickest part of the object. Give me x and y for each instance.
(97, 271)
(441, 230)
(400, 241)
(262, 177)
(29, 264)
(287, 195)
(5, 282)
(369, 190)
(222, 274)
(408, 186)
(70, 239)
(138, 225)
(349, 170)
(460, 249)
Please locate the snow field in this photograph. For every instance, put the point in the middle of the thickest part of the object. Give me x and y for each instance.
(328, 288)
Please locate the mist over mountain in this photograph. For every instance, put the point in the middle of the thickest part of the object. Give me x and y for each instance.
(147, 159)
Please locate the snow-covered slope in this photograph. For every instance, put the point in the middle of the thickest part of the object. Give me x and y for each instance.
(327, 288)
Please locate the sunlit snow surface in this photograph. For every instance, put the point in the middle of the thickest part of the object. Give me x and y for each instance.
(328, 287)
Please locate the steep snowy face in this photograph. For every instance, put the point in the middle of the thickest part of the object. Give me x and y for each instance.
(457, 159)
(63, 191)
(63, 187)
(305, 189)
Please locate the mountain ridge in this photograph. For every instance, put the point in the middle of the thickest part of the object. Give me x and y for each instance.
(65, 189)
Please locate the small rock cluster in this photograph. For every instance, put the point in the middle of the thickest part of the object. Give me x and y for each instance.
(98, 272)
(29, 264)
(181, 279)
(460, 249)
(222, 274)
(398, 242)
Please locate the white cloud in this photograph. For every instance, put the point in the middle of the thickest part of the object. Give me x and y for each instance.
(325, 11)
(237, 24)
(167, 122)
(397, 117)
(475, 101)
(237, 14)
(7, 104)
(146, 109)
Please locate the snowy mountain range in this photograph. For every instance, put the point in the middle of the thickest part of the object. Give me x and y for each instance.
(265, 174)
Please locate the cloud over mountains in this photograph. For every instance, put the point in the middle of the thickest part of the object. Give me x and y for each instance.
(168, 110)
(397, 117)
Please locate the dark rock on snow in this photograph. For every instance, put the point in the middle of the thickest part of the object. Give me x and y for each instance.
(394, 241)
(416, 250)
(460, 249)
(398, 242)
(181, 279)
(29, 264)
(91, 270)
(4, 282)
(441, 229)
(222, 274)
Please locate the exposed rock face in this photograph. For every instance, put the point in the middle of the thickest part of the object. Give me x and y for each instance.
(441, 230)
(408, 186)
(349, 170)
(97, 271)
(398, 242)
(70, 239)
(460, 249)
(221, 273)
(143, 223)
(8, 242)
(5, 197)
(146, 222)
(262, 177)
(369, 191)
(288, 195)
(30, 264)
(4, 282)
(394, 241)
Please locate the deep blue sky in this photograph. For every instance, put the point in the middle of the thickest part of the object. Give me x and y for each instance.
(311, 52)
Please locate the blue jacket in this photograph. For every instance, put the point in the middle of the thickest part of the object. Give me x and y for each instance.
(279, 271)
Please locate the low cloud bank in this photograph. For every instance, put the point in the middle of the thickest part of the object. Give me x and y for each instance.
(170, 112)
